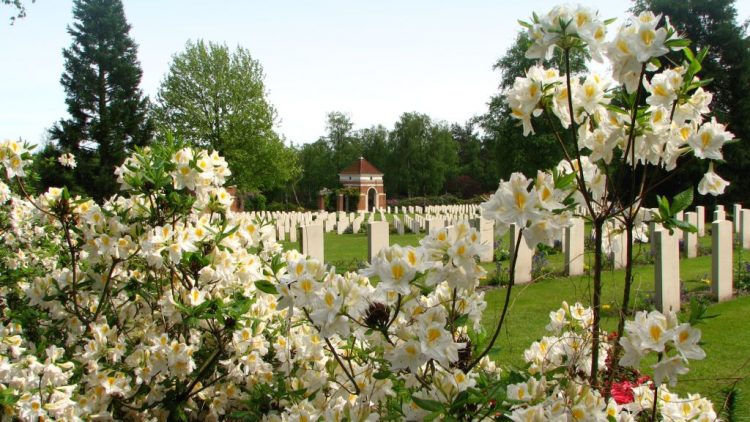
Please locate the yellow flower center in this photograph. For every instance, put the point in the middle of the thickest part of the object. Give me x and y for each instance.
(590, 91)
(433, 334)
(306, 285)
(397, 270)
(648, 36)
(622, 45)
(520, 198)
(411, 257)
(655, 332)
(660, 90)
(582, 19)
(533, 90)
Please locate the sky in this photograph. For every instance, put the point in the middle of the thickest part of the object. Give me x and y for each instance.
(372, 60)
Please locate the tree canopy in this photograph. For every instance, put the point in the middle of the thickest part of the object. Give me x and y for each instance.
(505, 148)
(215, 98)
(713, 24)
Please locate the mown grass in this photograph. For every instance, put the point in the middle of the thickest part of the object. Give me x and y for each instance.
(726, 337)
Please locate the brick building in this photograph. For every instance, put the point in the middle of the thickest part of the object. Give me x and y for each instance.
(368, 180)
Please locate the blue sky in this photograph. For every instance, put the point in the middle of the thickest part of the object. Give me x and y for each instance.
(373, 60)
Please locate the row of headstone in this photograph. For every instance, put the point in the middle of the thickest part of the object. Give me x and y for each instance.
(666, 252)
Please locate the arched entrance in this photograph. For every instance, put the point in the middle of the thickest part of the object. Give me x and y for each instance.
(372, 199)
(367, 181)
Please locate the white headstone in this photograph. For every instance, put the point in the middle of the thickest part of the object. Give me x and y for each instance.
(701, 211)
(357, 224)
(745, 229)
(619, 250)
(574, 247)
(522, 273)
(736, 216)
(690, 240)
(341, 226)
(311, 241)
(377, 238)
(721, 260)
(680, 216)
(486, 239)
(667, 272)
(719, 214)
(432, 224)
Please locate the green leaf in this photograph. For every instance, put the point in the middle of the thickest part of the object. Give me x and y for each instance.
(461, 399)
(565, 181)
(688, 54)
(266, 287)
(524, 24)
(677, 43)
(427, 404)
(461, 320)
(663, 207)
(684, 226)
(382, 374)
(682, 200)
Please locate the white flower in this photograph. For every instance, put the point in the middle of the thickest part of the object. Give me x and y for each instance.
(196, 296)
(712, 183)
(67, 160)
(709, 139)
(669, 368)
(686, 340)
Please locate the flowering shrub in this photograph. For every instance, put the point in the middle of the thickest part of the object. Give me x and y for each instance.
(162, 304)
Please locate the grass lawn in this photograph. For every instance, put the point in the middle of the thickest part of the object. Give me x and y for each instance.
(726, 337)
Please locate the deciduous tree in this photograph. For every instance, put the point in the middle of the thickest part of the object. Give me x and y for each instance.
(215, 98)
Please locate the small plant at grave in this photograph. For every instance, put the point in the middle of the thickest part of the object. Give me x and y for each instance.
(704, 250)
(502, 254)
(550, 250)
(539, 263)
(695, 289)
(500, 277)
(742, 276)
(643, 255)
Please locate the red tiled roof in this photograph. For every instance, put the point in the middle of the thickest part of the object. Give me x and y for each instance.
(361, 166)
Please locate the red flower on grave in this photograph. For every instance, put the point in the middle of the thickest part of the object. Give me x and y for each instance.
(622, 392)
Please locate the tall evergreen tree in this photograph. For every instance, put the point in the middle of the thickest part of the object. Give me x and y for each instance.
(108, 111)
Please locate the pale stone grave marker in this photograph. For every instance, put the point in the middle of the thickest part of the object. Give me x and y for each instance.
(690, 239)
(311, 241)
(667, 272)
(522, 273)
(377, 238)
(721, 260)
(486, 239)
(736, 217)
(745, 229)
(574, 247)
